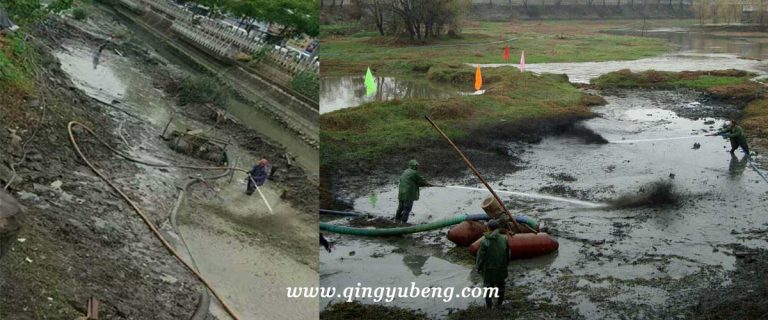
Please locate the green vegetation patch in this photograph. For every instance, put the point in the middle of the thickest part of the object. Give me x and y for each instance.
(345, 53)
(700, 80)
(79, 13)
(202, 90)
(308, 84)
(18, 62)
(378, 129)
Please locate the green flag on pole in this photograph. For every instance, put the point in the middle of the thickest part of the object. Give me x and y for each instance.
(370, 83)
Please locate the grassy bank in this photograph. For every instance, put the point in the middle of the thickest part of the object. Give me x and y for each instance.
(651, 79)
(348, 50)
(514, 105)
(731, 85)
(18, 62)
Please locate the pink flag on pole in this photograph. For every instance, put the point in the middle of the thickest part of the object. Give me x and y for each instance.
(522, 61)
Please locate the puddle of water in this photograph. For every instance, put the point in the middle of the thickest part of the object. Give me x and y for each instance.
(395, 263)
(697, 51)
(688, 40)
(344, 92)
(581, 72)
(233, 266)
(249, 116)
(254, 119)
(95, 80)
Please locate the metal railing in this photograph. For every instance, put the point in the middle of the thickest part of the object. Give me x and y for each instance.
(221, 39)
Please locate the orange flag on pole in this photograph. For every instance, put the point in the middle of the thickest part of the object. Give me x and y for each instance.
(506, 53)
(478, 78)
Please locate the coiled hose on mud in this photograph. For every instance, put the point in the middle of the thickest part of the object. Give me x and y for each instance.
(401, 230)
(138, 209)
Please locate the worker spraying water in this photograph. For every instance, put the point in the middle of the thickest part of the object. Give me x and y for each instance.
(735, 133)
(410, 182)
(257, 177)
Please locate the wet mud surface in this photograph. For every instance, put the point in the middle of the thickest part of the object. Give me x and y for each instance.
(656, 258)
(85, 241)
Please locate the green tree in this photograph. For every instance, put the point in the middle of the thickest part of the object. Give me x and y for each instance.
(297, 16)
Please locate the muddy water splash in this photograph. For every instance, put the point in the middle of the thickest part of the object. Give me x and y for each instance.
(654, 194)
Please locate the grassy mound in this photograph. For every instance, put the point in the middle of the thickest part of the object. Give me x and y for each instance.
(515, 104)
(671, 80)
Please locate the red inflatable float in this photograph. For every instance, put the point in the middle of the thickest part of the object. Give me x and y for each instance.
(525, 245)
(467, 232)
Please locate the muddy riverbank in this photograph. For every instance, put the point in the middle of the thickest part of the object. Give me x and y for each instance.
(80, 240)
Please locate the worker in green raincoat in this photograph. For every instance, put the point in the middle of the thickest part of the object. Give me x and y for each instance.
(410, 182)
(735, 133)
(492, 262)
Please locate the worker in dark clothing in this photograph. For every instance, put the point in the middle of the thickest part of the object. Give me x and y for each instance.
(9, 227)
(324, 242)
(735, 133)
(258, 175)
(492, 262)
(410, 182)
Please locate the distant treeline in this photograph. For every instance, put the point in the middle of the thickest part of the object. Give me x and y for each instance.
(525, 3)
(550, 9)
(503, 10)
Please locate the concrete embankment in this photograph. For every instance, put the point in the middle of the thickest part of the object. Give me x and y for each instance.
(295, 112)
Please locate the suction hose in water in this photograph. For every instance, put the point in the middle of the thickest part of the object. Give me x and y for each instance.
(402, 230)
(138, 209)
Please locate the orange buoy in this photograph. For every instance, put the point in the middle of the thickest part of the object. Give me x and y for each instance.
(467, 232)
(525, 245)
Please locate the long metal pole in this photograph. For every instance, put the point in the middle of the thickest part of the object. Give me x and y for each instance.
(477, 173)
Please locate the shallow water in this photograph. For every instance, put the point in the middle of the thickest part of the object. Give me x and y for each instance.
(249, 116)
(688, 40)
(581, 72)
(234, 264)
(695, 51)
(344, 92)
(639, 259)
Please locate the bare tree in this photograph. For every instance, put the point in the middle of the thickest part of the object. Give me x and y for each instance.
(376, 10)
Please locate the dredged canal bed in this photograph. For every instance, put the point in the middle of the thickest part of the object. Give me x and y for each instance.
(612, 262)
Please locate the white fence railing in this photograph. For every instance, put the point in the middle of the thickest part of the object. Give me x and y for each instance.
(221, 38)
